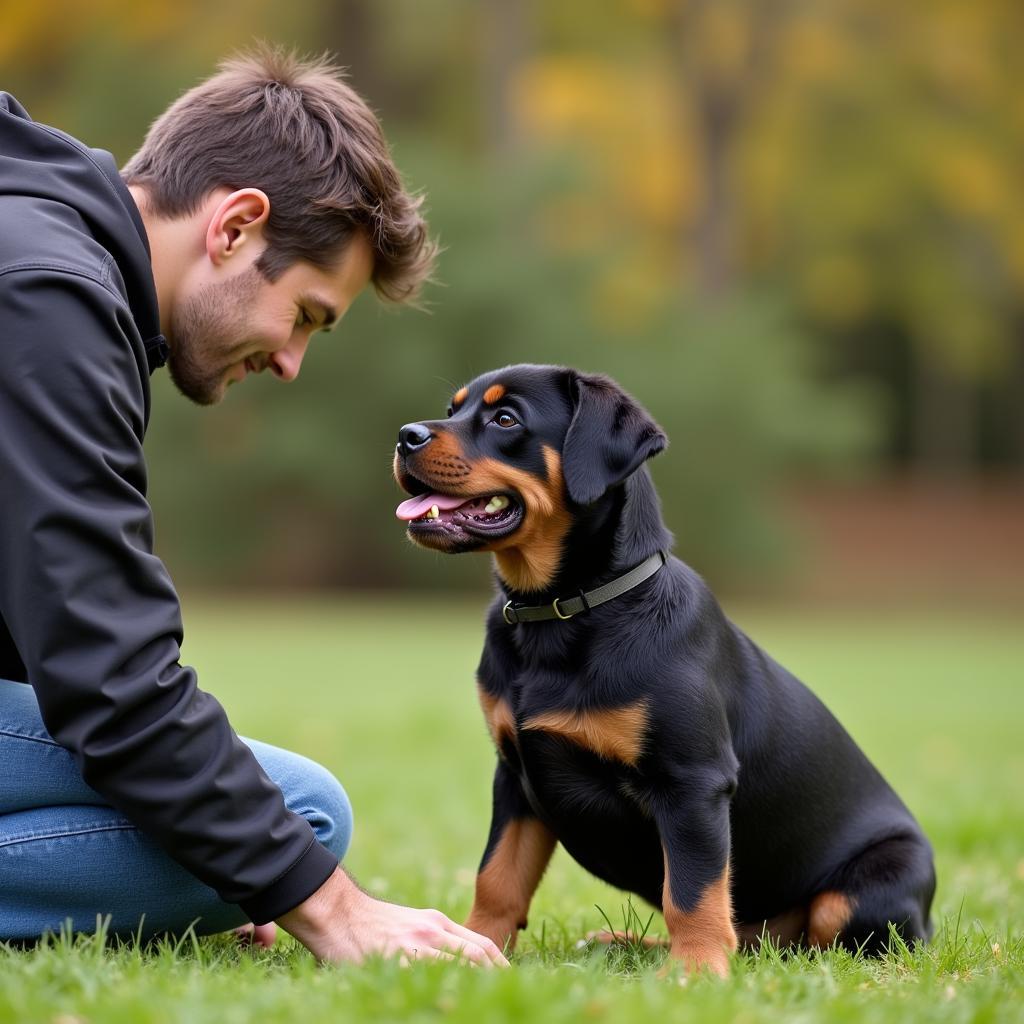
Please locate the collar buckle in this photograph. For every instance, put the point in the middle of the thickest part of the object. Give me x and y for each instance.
(585, 601)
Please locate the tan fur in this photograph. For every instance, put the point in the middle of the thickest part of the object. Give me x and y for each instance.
(460, 396)
(495, 393)
(501, 722)
(528, 560)
(444, 466)
(830, 914)
(703, 939)
(509, 879)
(617, 733)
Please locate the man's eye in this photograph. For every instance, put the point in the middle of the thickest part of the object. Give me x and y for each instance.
(505, 419)
(304, 318)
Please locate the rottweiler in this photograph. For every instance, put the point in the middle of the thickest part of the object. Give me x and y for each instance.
(634, 723)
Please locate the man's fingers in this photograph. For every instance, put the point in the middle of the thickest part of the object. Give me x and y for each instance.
(262, 935)
(453, 942)
(473, 940)
(411, 956)
(363, 927)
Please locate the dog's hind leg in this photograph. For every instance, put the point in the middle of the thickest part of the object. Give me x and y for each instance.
(889, 884)
(787, 929)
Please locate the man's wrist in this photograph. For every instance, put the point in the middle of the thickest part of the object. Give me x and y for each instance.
(305, 877)
(322, 912)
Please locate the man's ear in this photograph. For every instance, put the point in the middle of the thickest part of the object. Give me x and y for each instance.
(609, 437)
(237, 219)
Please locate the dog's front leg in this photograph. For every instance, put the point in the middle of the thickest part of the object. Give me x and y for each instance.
(696, 901)
(518, 850)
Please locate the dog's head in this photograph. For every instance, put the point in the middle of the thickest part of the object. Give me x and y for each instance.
(523, 452)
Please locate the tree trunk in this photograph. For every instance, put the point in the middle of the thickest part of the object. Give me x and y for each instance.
(506, 40)
(944, 420)
(721, 97)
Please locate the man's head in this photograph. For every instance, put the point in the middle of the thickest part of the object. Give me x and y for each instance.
(270, 199)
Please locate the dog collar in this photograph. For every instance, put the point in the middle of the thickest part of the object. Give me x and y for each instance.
(567, 607)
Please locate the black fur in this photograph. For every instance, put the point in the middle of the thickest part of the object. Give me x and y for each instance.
(741, 763)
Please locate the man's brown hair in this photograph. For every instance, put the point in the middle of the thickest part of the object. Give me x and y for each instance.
(293, 128)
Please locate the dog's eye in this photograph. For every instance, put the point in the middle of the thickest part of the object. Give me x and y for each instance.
(451, 412)
(505, 419)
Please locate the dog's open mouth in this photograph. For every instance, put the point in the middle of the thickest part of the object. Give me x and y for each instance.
(487, 516)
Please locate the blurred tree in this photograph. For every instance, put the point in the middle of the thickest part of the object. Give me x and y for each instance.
(104, 69)
(739, 208)
(507, 40)
(905, 218)
(726, 56)
(302, 474)
(858, 156)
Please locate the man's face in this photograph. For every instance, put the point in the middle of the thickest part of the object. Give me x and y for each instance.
(224, 330)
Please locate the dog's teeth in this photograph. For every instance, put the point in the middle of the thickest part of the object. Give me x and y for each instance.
(496, 504)
(434, 512)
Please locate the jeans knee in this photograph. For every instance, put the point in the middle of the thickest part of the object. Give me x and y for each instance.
(329, 811)
(310, 790)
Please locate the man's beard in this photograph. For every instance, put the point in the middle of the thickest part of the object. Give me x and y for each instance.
(209, 336)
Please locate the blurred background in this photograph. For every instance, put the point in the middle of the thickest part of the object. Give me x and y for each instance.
(793, 230)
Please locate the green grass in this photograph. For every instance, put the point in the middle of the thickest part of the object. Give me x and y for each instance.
(382, 693)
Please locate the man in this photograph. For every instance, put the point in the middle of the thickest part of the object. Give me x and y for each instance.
(260, 205)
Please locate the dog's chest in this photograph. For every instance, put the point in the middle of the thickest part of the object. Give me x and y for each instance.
(568, 746)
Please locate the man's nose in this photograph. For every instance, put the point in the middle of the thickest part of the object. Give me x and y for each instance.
(412, 437)
(286, 362)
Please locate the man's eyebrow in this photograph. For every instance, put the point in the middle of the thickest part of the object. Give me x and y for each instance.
(328, 314)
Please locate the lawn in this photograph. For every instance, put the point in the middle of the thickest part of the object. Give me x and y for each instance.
(382, 693)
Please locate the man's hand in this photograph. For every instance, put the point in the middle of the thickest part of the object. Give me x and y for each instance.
(262, 935)
(340, 922)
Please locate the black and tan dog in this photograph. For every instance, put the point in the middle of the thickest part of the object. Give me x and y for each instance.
(634, 723)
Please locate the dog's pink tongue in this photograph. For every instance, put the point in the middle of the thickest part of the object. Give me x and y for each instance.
(413, 508)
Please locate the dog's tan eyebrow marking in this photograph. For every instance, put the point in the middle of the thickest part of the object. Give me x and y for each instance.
(617, 733)
(459, 397)
(495, 393)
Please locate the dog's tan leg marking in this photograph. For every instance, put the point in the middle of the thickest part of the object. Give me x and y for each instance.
(501, 722)
(509, 879)
(702, 939)
(617, 734)
(830, 914)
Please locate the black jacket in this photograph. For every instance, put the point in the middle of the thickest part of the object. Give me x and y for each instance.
(88, 614)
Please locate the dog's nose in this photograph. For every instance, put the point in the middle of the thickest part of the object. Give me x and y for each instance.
(412, 437)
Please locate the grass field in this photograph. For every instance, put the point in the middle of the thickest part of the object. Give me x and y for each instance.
(382, 693)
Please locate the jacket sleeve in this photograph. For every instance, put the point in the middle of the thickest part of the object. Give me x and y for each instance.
(94, 615)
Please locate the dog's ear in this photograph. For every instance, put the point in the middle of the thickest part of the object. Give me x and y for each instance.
(609, 437)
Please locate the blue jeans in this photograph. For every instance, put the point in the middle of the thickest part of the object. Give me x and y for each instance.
(66, 855)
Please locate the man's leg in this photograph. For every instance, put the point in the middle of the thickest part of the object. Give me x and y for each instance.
(65, 854)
